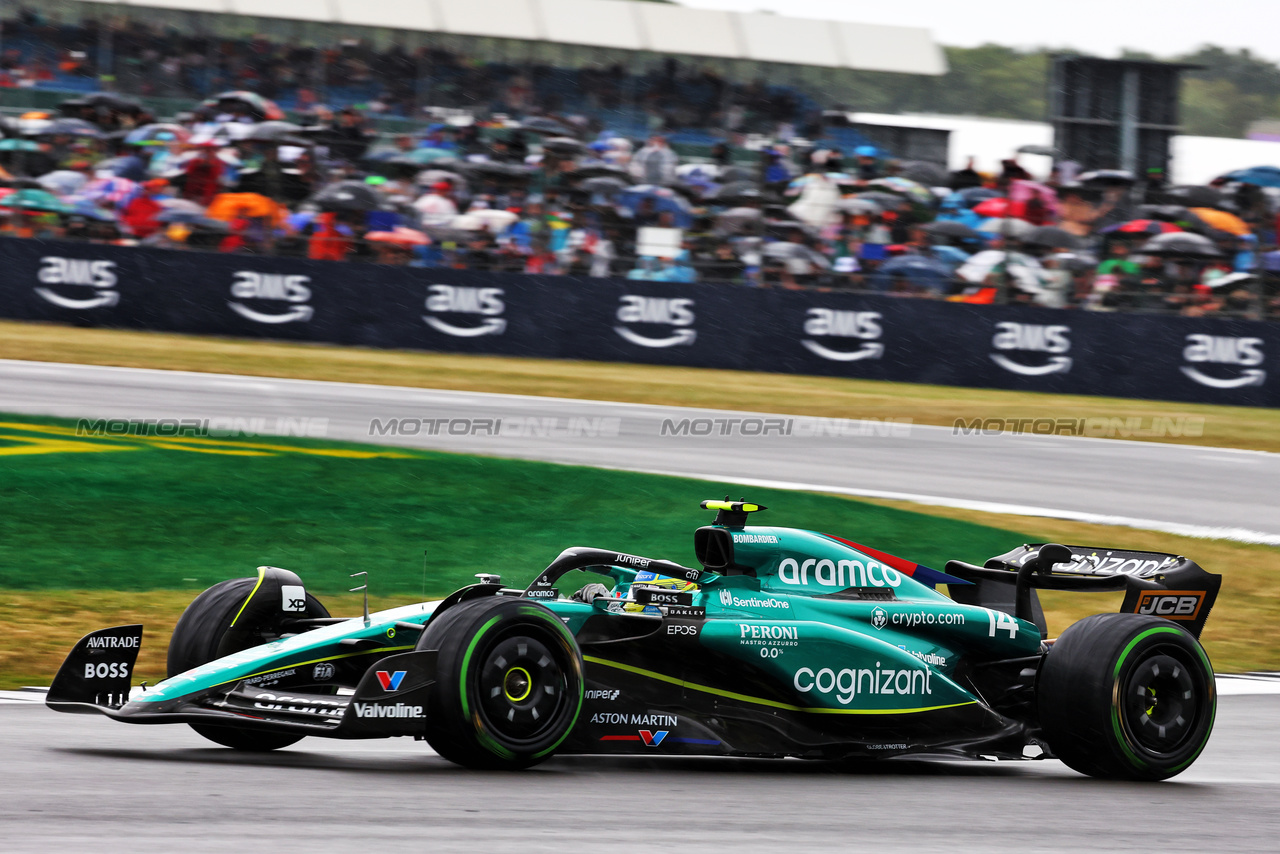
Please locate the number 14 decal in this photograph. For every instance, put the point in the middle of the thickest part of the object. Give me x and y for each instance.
(999, 620)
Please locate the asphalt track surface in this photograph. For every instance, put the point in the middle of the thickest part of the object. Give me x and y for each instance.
(1178, 488)
(85, 783)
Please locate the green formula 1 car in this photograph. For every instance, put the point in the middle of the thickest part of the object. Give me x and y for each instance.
(785, 642)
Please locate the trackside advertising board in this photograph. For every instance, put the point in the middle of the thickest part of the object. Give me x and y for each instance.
(1201, 360)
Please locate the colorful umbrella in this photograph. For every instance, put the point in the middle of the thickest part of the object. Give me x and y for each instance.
(399, 236)
(229, 206)
(34, 200)
(1142, 226)
(1222, 221)
(160, 133)
(997, 207)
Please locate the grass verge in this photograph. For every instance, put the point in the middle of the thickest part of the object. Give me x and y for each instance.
(1224, 426)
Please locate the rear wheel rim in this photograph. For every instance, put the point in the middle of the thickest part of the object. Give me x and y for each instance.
(1160, 702)
(522, 689)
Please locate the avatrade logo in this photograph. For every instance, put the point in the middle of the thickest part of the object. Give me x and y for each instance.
(827, 322)
(652, 738)
(676, 312)
(272, 287)
(1032, 338)
(455, 299)
(1224, 350)
(390, 681)
(79, 273)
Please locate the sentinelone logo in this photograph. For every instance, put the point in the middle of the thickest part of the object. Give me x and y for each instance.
(1154, 427)
(798, 428)
(521, 428)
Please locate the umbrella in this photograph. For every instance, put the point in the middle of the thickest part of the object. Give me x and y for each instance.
(949, 255)
(108, 101)
(920, 270)
(971, 196)
(1012, 228)
(34, 200)
(70, 127)
(926, 173)
(735, 219)
(112, 190)
(1148, 227)
(276, 131)
(229, 206)
(1052, 236)
(607, 185)
(663, 199)
(1222, 221)
(1108, 178)
(160, 133)
(547, 127)
(431, 177)
(598, 171)
(428, 156)
(63, 182)
(736, 193)
(1262, 176)
(996, 207)
(957, 230)
(858, 206)
(348, 196)
(494, 220)
(263, 109)
(1023, 270)
(1195, 197)
(888, 201)
(400, 236)
(173, 203)
(1181, 244)
(490, 169)
(911, 189)
(787, 251)
(23, 183)
(563, 145)
(18, 145)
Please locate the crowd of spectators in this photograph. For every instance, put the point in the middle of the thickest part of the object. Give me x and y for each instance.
(513, 185)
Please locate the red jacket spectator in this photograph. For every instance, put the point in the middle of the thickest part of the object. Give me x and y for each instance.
(140, 214)
(204, 176)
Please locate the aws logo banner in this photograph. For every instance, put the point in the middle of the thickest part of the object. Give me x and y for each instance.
(656, 322)
(463, 312)
(843, 336)
(77, 283)
(1223, 361)
(1032, 349)
(272, 298)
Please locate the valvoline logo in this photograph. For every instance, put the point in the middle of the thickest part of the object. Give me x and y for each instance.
(391, 681)
(652, 738)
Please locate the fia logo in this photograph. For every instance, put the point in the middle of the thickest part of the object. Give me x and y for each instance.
(726, 597)
(652, 738)
(390, 681)
(879, 618)
(323, 671)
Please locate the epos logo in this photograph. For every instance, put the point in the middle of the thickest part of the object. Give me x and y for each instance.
(1171, 604)
(390, 681)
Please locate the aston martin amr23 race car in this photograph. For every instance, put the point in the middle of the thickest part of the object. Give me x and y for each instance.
(784, 642)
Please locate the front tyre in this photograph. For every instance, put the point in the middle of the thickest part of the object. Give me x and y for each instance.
(1127, 696)
(198, 639)
(508, 686)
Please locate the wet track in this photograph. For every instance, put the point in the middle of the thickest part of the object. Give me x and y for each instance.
(1176, 488)
(84, 783)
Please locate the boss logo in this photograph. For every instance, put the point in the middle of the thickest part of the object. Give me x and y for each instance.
(105, 670)
(1171, 604)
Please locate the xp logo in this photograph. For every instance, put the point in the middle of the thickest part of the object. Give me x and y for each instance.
(726, 597)
(652, 738)
(454, 299)
(1224, 350)
(390, 681)
(827, 322)
(323, 671)
(879, 618)
(676, 312)
(273, 288)
(1170, 604)
(1032, 338)
(78, 273)
(293, 598)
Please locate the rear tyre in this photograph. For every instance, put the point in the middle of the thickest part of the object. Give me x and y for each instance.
(508, 684)
(1127, 696)
(197, 639)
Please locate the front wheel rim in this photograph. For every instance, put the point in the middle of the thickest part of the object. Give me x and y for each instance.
(522, 689)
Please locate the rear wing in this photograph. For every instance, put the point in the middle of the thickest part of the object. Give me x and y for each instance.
(1156, 583)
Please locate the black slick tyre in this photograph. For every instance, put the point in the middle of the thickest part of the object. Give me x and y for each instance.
(198, 639)
(508, 686)
(1127, 696)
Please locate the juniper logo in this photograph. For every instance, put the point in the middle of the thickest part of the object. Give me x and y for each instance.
(78, 274)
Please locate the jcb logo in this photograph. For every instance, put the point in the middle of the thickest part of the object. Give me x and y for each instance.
(1171, 604)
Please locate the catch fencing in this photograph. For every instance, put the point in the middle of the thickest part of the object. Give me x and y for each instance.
(1202, 360)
